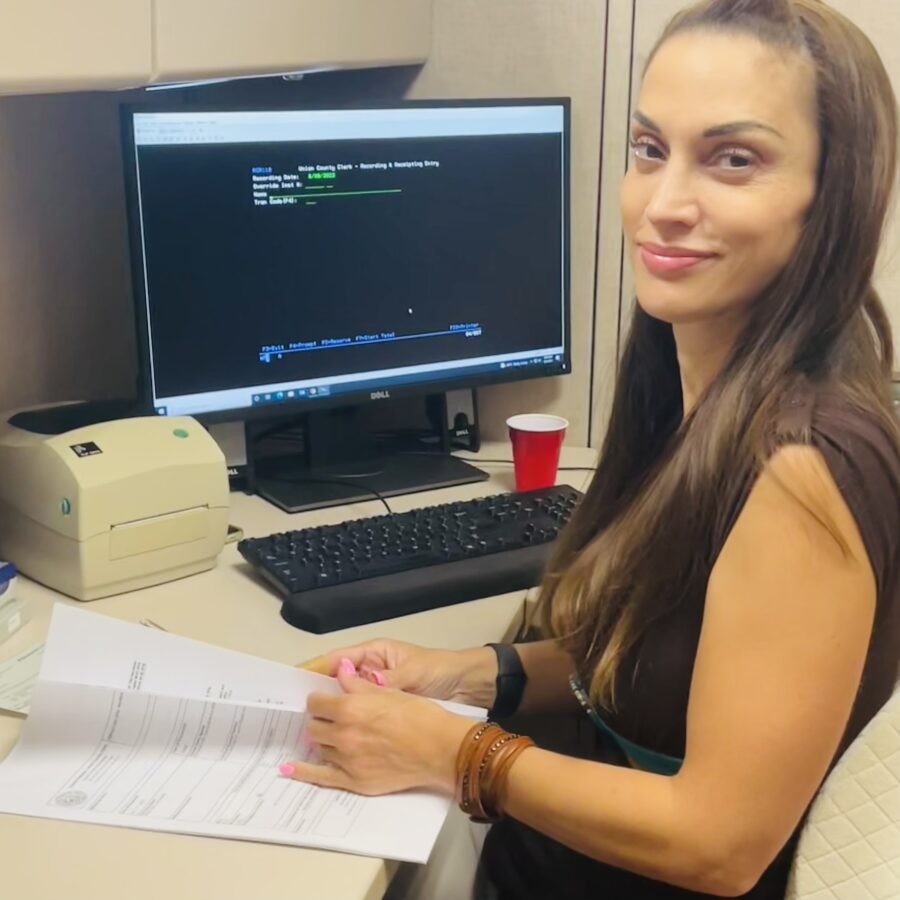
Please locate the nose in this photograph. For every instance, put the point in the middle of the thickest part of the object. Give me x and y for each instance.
(674, 203)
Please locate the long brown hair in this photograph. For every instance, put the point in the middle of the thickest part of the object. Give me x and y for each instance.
(644, 536)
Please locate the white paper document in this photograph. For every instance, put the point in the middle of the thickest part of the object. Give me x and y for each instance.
(139, 728)
(17, 679)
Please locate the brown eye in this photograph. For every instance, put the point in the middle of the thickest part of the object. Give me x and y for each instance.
(735, 159)
(647, 150)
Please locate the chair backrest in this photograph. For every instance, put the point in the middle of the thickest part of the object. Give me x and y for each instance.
(849, 848)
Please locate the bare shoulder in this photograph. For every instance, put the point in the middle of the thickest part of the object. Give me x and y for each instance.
(795, 531)
(787, 621)
(796, 490)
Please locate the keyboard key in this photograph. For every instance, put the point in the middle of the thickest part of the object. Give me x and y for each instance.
(370, 569)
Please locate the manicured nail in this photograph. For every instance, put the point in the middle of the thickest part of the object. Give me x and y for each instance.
(347, 667)
(287, 770)
(379, 679)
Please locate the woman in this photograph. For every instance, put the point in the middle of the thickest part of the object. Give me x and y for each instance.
(727, 593)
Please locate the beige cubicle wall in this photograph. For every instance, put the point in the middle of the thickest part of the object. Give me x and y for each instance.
(541, 48)
(58, 45)
(65, 314)
(881, 22)
(634, 26)
(65, 293)
(65, 308)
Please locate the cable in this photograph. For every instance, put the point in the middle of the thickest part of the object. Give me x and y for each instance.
(338, 481)
(508, 462)
(379, 496)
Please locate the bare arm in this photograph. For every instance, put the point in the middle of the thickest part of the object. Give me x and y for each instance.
(788, 619)
(548, 667)
(467, 676)
(546, 664)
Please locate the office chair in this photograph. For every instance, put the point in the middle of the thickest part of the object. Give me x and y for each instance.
(849, 848)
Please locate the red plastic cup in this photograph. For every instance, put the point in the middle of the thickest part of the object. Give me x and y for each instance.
(536, 442)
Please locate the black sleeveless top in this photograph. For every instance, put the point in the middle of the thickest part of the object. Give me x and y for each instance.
(864, 461)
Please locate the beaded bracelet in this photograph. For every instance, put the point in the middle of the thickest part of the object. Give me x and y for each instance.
(476, 740)
(482, 767)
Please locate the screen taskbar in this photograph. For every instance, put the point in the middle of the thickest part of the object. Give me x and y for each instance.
(313, 389)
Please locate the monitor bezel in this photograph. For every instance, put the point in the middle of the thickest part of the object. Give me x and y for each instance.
(291, 408)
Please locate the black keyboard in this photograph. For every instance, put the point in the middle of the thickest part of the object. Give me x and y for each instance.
(392, 565)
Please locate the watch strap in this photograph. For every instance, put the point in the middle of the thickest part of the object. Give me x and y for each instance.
(511, 680)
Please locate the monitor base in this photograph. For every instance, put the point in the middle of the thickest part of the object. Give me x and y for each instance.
(336, 456)
(296, 488)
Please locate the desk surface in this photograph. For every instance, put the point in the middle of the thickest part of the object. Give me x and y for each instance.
(42, 859)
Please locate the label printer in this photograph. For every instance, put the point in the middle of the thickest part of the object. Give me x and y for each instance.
(112, 507)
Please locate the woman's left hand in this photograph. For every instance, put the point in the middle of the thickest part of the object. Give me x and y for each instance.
(375, 740)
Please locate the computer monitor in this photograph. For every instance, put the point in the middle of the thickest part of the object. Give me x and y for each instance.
(291, 260)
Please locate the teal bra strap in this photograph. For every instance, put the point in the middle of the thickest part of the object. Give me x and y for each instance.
(648, 760)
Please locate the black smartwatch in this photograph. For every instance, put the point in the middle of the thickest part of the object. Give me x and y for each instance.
(511, 680)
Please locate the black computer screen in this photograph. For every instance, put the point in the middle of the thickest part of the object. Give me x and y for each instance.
(278, 266)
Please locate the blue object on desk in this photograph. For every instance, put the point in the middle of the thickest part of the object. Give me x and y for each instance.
(7, 573)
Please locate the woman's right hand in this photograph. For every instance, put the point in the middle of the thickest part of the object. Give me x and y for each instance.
(464, 676)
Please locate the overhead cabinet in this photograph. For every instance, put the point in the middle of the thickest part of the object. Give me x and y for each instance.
(205, 38)
(69, 45)
(62, 45)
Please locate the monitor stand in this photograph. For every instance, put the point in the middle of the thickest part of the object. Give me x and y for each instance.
(344, 463)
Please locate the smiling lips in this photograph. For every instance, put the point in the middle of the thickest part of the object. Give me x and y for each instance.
(664, 261)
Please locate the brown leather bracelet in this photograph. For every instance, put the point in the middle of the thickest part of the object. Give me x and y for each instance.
(483, 761)
(477, 740)
(489, 777)
(472, 803)
(494, 789)
(467, 747)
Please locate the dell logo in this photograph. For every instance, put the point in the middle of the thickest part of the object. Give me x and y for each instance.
(380, 395)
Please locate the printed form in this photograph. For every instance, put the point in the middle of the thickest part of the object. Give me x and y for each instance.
(139, 728)
(17, 679)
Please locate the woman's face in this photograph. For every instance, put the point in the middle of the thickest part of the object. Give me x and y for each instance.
(725, 150)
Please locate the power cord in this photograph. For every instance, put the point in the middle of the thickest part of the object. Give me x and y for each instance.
(508, 462)
(341, 482)
(380, 497)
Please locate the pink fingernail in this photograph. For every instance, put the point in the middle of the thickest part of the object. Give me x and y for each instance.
(347, 667)
(379, 679)
(287, 769)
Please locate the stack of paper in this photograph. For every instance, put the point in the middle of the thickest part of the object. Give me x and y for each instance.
(135, 727)
(18, 676)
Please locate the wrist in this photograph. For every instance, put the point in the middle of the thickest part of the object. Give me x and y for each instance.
(511, 681)
(483, 763)
(449, 735)
(478, 678)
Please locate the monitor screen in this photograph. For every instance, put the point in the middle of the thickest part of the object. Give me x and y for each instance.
(317, 257)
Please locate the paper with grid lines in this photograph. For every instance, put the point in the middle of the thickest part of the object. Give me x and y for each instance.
(134, 727)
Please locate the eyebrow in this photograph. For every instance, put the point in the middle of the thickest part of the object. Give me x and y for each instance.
(716, 131)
